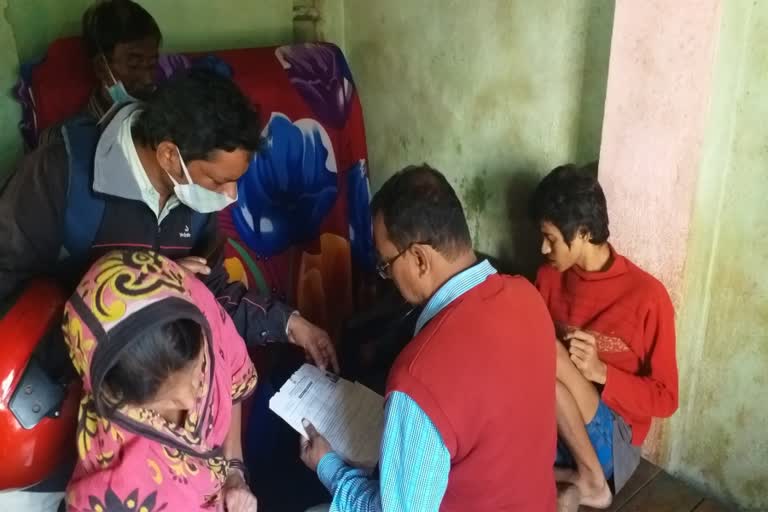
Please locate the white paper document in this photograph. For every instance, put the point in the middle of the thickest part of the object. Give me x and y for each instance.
(349, 415)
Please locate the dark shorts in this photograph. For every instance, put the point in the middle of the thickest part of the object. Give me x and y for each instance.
(612, 439)
(600, 432)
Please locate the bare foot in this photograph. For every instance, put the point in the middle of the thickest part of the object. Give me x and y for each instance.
(568, 498)
(595, 496)
(594, 490)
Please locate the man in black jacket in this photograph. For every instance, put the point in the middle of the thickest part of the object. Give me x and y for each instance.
(151, 177)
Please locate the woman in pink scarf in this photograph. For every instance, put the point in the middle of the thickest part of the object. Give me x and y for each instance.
(163, 372)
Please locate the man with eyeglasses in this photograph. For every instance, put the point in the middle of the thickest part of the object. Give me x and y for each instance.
(470, 407)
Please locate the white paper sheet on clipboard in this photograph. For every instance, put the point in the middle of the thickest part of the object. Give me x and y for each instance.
(349, 415)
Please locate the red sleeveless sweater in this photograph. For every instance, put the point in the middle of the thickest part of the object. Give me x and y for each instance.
(483, 370)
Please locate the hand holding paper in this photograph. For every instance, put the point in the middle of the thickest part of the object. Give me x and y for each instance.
(313, 447)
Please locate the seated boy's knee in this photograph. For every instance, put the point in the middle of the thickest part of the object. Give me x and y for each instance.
(563, 360)
(560, 389)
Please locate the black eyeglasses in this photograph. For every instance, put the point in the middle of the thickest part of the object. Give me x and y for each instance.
(384, 268)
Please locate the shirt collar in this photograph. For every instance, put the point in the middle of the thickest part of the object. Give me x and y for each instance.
(618, 267)
(455, 287)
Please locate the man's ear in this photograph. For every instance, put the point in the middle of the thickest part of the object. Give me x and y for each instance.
(167, 155)
(423, 258)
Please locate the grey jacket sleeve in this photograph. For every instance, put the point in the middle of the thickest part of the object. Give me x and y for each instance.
(32, 207)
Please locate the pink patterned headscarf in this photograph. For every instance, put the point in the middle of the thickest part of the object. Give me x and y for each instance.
(135, 460)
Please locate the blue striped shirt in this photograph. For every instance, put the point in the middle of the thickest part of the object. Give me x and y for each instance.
(415, 462)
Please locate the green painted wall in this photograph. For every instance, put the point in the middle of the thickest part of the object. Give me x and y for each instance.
(493, 94)
(719, 438)
(10, 139)
(220, 24)
(38, 22)
(332, 22)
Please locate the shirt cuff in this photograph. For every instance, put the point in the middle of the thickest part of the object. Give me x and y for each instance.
(292, 313)
(329, 470)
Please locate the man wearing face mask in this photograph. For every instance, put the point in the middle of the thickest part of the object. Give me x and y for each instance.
(152, 178)
(122, 40)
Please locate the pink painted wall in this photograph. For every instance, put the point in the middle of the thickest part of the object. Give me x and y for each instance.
(660, 81)
(659, 85)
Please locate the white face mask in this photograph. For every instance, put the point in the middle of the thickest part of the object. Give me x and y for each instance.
(117, 90)
(196, 197)
(117, 93)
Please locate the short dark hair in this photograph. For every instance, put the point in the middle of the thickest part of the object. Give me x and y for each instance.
(571, 198)
(111, 22)
(418, 205)
(200, 112)
(140, 370)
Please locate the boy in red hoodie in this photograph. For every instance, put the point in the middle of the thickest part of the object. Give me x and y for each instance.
(616, 366)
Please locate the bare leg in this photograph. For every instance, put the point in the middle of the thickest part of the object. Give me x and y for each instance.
(582, 390)
(577, 401)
